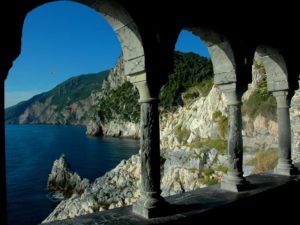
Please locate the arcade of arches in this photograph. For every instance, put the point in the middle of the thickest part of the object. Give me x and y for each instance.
(148, 40)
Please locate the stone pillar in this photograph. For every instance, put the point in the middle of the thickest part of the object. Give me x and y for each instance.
(284, 165)
(295, 126)
(3, 201)
(234, 180)
(150, 204)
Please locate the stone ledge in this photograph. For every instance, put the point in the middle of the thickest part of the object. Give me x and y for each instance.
(269, 199)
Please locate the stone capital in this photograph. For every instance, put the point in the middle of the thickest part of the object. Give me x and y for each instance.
(233, 96)
(282, 99)
(140, 81)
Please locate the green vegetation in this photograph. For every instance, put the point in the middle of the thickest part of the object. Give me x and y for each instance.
(222, 122)
(182, 133)
(223, 169)
(261, 102)
(192, 75)
(76, 88)
(201, 89)
(120, 103)
(207, 176)
(264, 160)
(220, 145)
(191, 71)
(72, 90)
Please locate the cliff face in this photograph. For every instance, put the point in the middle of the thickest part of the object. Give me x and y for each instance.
(206, 118)
(115, 95)
(193, 149)
(183, 169)
(199, 117)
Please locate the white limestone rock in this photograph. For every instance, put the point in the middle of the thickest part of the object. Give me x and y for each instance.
(64, 180)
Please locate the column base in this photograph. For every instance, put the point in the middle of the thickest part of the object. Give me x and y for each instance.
(286, 169)
(234, 184)
(160, 209)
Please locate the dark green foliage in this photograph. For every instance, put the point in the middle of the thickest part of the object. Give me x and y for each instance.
(182, 133)
(220, 145)
(120, 103)
(261, 102)
(190, 70)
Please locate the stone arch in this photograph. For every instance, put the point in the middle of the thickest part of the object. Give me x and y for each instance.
(275, 66)
(221, 53)
(278, 83)
(123, 25)
(225, 61)
(127, 31)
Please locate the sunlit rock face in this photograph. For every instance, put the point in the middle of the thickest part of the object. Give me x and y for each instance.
(63, 179)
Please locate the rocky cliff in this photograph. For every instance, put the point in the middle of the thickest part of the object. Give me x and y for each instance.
(193, 148)
(62, 179)
(115, 97)
(200, 113)
(183, 169)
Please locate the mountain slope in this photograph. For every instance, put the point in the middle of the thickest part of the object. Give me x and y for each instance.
(59, 105)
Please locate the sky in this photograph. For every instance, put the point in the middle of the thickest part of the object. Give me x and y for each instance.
(65, 39)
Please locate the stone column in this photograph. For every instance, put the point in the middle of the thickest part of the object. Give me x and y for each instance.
(3, 200)
(234, 180)
(150, 204)
(284, 165)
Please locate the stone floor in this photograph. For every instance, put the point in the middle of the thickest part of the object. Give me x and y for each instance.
(269, 199)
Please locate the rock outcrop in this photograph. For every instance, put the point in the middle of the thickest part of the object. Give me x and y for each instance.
(193, 122)
(116, 188)
(94, 126)
(63, 179)
(183, 169)
(121, 129)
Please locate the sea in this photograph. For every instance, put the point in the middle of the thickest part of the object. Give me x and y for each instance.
(30, 153)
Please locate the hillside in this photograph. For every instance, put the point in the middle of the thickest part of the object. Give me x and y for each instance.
(117, 111)
(59, 105)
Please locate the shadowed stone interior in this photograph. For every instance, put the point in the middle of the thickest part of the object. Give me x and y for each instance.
(148, 32)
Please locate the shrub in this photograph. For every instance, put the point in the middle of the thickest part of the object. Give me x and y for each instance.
(222, 122)
(261, 102)
(190, 70)
(220, 145)
(207, 176)
(182, 134)
(264, 160)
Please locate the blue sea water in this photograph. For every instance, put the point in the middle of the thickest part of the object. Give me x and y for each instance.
(30, 152)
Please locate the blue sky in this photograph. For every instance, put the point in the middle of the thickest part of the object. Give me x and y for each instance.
(64, 39)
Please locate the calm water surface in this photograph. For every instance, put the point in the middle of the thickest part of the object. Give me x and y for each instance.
(30, 152)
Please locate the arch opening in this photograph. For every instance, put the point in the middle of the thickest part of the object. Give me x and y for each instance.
(75, 104)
